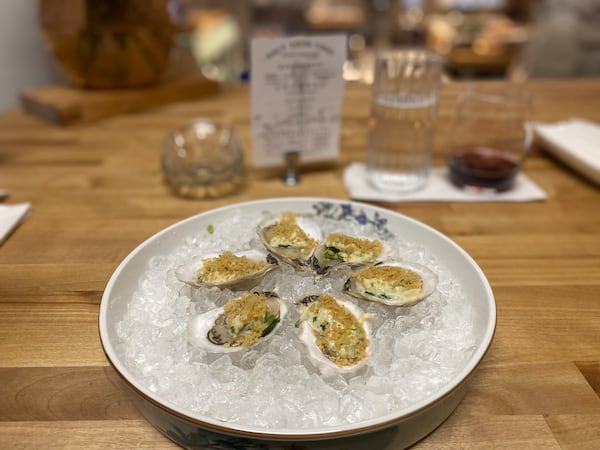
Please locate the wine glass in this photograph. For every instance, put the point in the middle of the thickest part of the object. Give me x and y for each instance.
(491, 137)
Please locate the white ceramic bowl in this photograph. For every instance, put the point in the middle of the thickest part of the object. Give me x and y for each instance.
(397, 429)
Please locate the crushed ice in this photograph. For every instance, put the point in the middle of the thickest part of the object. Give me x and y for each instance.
(416, 350)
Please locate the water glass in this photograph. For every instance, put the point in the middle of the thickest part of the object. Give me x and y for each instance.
(403, 112)
(203, 160)
(491, 137)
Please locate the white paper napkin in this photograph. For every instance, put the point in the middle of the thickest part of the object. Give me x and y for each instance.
(575, 142)
(10, 218)
(439, 189)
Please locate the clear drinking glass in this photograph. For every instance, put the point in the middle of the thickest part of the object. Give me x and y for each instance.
(402, 123)
(491, 137)
(203, 160)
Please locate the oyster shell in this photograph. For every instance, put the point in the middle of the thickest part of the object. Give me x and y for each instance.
(291, 237)
(393, 283)
(339, 249)
(240, 324)
(335, 332)
(240, 270)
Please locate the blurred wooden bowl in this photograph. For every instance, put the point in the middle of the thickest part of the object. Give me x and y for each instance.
(108, 44)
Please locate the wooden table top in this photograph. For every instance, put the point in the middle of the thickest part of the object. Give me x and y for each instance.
(96, 193)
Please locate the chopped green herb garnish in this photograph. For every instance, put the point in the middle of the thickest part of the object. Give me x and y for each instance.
(333, 253)
(383, 295)
(210, 229)
(271, 320)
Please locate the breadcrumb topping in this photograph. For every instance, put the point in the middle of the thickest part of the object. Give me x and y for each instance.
(352, 249)
(389, 282)
(340, 336)
(392, 275)
(247, 318)
(227, 267)
(287, 233)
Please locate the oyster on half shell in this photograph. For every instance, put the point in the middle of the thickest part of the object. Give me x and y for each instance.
(393, 283)
(291, 237)
(237, 271)
(339, 250)
(335, 332)
(240, 324)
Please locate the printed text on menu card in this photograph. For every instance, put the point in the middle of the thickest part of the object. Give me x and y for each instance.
(297, 86)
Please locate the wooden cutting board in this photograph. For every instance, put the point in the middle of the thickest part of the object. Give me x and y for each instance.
(64, 105)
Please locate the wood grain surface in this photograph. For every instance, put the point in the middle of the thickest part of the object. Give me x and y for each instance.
(64, 105)
(97, 192)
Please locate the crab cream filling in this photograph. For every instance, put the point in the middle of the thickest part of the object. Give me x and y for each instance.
(389, 282)
(241, 323)
(339, 335)
(353, 250)
(227, 267)
(248, 319)
(286, 233)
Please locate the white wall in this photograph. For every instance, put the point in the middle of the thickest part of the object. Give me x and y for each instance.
(24, 60)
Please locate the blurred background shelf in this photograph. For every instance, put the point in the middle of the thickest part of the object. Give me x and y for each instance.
(514, 39)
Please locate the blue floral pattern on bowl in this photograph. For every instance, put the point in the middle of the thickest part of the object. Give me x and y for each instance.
(347, 211)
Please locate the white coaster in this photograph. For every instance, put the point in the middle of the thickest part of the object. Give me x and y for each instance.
(439, 188)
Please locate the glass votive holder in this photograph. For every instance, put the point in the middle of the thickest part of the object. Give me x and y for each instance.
(203, 160)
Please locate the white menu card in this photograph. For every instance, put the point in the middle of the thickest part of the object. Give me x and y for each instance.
(296, 86)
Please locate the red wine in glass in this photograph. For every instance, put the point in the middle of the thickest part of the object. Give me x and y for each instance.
(484, 168)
